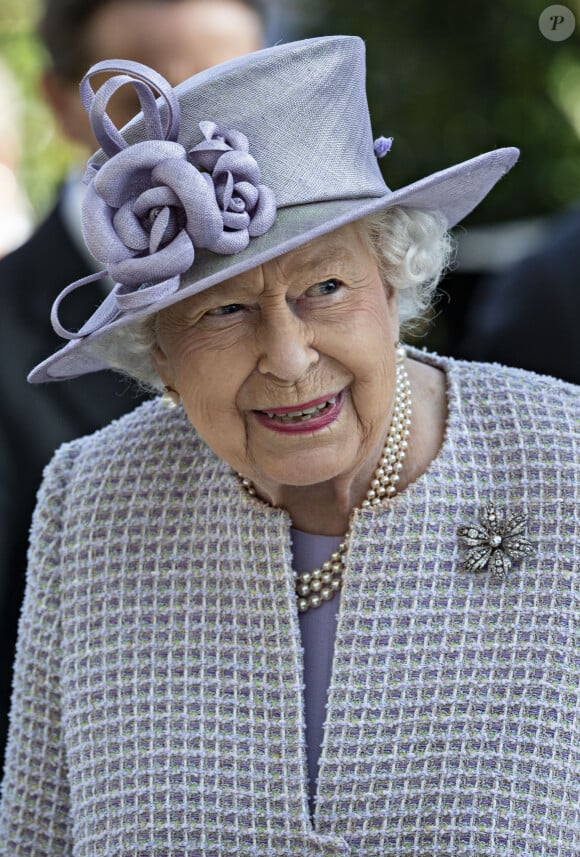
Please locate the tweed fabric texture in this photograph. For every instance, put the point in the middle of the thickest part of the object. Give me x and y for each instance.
(158, 688)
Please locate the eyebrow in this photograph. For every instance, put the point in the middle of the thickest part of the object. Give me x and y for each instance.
(334, 257)
(223, 290)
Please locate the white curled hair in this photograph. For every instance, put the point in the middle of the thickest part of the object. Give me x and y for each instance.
(412, 248)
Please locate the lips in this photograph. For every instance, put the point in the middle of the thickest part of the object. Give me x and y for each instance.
(306, 412)
(309, 416)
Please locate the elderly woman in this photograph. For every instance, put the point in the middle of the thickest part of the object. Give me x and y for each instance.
(327, 604)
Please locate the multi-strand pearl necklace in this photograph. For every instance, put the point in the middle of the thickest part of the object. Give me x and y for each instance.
(314, 587)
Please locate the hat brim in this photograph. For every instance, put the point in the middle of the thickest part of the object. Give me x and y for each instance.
(453, 192)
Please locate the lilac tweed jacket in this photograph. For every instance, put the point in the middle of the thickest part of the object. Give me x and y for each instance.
(158, 690)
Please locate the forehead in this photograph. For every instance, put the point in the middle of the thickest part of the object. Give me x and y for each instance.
(345, 244)
(340, 250)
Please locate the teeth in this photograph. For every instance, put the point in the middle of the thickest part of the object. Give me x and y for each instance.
(301, 416)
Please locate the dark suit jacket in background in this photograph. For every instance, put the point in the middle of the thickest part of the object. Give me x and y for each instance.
(36, 419)
(528, 315)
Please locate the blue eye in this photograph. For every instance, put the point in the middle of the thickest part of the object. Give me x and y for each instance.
(326, 287)
(228, 309)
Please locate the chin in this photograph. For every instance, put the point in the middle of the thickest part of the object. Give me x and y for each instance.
(304, 470)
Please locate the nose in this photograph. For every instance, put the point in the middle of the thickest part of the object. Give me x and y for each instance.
(285, 349)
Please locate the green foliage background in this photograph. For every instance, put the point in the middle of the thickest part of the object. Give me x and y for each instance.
(451, 80)
(446, 80)
(45, 155)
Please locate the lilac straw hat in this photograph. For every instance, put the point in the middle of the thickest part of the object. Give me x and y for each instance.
(232, 168)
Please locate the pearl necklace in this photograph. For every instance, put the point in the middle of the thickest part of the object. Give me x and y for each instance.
(314, 587)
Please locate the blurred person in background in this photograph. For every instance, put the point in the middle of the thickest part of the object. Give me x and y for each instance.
(180, 38)
(527, 315)
(15, 213)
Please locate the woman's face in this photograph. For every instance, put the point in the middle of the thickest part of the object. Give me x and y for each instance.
(287, 371)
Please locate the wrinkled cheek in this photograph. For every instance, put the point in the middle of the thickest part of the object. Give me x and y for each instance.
(210, 379)
(218, 421)
(373, 389)
(226, 433)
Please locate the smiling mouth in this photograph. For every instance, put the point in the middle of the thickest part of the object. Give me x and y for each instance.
(303, 415)
(286, 416)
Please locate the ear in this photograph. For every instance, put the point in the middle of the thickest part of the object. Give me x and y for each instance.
(162, 365)
(62, 96)
(392, 295)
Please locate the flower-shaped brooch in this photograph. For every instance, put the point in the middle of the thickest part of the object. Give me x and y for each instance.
(494, 543)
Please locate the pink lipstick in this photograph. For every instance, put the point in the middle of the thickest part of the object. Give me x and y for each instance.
(304, 419)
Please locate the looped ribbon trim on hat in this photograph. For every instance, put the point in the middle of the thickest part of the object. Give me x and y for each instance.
(117, 300)
(143, 79)
(152, 204)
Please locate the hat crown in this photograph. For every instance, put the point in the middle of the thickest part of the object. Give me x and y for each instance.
(304, 110)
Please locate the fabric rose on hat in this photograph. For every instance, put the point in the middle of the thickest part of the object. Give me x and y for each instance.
(146, 210)
(150, 205)
(247, 207)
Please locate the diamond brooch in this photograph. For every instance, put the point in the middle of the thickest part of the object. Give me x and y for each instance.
(493, 544)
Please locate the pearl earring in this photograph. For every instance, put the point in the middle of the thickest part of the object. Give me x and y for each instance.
(170, 397)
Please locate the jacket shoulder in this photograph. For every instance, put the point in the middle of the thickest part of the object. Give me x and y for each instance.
(525, 426)
(534, 395)
(148, 439)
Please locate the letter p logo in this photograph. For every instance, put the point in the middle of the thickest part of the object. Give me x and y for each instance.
(557, 23)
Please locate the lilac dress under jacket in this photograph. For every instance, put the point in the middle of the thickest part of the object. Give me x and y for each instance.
(318, 630)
